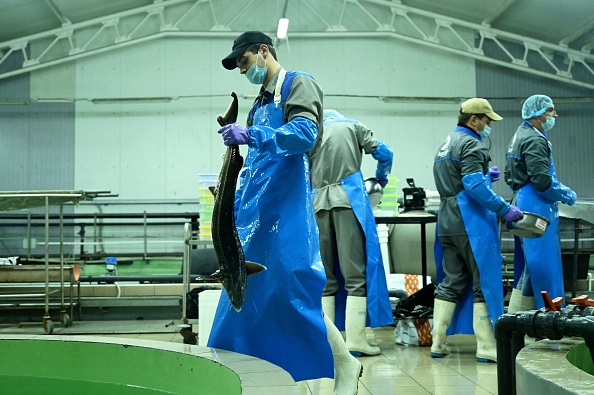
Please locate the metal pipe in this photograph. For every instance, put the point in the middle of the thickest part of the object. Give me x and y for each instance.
(145, 235)
(172, 278)
(186, 270)
(575, 257)
(46, 257)
(61, 258)
(28, 234)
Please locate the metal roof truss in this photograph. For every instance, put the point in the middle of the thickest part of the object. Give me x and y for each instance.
(357, 18)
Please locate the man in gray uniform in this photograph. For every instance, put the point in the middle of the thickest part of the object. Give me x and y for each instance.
(349, 243)
(468, 232)
(530, 173)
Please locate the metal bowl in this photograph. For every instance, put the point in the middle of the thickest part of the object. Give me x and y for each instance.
(530, 226)
(374, 190)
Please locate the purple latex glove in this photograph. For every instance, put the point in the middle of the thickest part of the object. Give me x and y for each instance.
(383, 182)
(494, 173)
(235, 134)
(513, 214)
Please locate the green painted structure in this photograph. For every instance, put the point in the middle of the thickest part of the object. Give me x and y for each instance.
(37, 366)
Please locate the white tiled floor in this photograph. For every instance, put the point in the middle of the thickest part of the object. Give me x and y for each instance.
(403, 370)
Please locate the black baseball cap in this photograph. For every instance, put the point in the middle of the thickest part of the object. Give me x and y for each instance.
(241, 44)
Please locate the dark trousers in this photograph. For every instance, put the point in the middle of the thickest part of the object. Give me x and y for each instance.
(459, 267)
(342, 242)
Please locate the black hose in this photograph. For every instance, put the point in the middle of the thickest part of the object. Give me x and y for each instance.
(511, 328)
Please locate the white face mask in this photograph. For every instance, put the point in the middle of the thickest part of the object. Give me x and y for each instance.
(548, 124)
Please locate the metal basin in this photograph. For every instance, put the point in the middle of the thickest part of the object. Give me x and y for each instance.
(530, 226)
(374, 190)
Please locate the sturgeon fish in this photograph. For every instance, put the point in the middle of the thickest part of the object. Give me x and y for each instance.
(233, 268)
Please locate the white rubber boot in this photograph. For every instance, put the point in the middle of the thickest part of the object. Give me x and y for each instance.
(347, 369)
(442, 318)
(356, 317)
(329, 307)
(519, 302)
(486, 347)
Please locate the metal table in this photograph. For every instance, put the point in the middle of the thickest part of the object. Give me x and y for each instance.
(19, 200)
(581, 212)
(420, 218)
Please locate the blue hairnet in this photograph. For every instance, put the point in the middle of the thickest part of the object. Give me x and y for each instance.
(535, 106)
(330, 115)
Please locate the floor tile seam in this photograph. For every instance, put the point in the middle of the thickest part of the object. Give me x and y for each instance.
(488, 390)
(393, 362)
(444, 362)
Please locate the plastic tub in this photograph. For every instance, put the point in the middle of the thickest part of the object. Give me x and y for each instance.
(207, 306)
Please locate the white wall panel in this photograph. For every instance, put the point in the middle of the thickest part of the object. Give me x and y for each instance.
(156, 150)
(388, 68)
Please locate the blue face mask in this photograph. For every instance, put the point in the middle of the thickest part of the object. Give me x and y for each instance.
(548, 125)
(485, 132)
(255, 74)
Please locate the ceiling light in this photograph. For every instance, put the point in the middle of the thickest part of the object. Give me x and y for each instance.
(283, 27)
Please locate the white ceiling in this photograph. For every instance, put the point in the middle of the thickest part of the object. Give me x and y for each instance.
(547, 20)
(561, 27)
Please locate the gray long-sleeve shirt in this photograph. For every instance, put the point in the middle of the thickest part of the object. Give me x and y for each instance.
(528, 159)
(337, 156)
(460, 154)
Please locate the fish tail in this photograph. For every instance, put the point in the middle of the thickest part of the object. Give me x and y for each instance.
(253, 268)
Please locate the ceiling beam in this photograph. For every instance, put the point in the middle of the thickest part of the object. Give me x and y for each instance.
(393, 21)
(577, 34)
(57, 12)
(501, 8)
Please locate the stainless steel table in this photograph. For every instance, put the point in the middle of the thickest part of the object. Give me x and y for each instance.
(581, 212)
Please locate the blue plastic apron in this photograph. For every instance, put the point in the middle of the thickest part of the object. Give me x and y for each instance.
(483, 234)
(542, 254)
(379, 310)
(281, 319)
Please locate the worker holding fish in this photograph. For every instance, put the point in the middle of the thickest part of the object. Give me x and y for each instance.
(356, 282)
(281, 319)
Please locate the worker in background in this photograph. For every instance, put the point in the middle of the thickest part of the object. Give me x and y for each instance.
(468, 233)
(530, 173)
(281, 320)
(348, 236)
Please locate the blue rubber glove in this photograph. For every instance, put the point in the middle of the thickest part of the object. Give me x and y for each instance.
(572, 199)
(235, 134)
(558, 192)
(513, 213)
(384, 155)
(494, 173)
(383, 182)
(478, 187)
